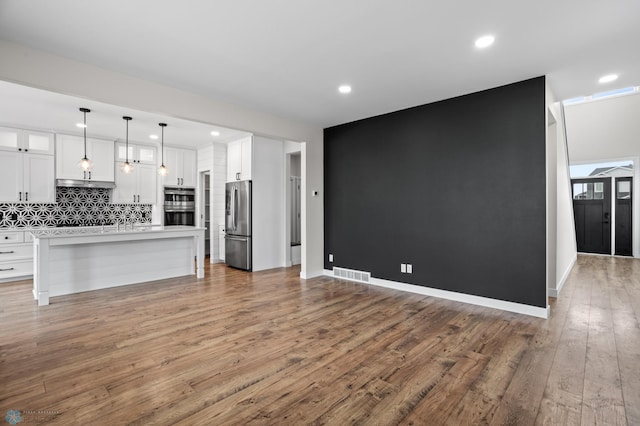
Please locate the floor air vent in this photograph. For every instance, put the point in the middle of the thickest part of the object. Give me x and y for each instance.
(352, 275)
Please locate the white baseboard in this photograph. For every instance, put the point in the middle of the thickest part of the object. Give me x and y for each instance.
(313, 274)
(554, 292)
(503, 305)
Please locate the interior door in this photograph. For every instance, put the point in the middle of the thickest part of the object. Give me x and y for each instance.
(592, 211)
(624, 197)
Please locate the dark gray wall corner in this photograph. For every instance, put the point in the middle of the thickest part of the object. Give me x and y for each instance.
(456, 188)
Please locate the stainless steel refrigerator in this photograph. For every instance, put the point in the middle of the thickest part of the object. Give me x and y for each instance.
(238, 225)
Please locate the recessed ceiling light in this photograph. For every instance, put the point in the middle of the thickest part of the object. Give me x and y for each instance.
(345, 88)
(154, 137)
(485, 41)
(215, 133)
(81, 125)
(608, 78)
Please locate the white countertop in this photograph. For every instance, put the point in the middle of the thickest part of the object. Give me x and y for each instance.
(95, 231)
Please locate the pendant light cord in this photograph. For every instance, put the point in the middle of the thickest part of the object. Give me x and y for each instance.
(162, 149)
(85, 133)
(126, 148)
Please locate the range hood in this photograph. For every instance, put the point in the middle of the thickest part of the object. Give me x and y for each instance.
(79, 183)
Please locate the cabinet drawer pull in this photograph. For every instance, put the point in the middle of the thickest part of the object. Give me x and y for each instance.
(26, 196)
(7, 269)
(20, 196)
(7, 252)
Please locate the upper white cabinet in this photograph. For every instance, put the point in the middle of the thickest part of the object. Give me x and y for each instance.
(26, 141)
(26, 177)
(26, 166)
(239, 159)
(142, 154)
(69, 151)
(181, 165)
(38, 178)
(139, 186)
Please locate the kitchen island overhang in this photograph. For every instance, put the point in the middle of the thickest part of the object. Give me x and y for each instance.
(68, 261)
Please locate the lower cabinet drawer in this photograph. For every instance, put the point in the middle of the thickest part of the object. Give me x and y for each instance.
(21, 251)
(18, 268)
(11, 237)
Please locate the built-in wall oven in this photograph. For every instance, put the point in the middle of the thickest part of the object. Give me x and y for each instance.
(179, 206)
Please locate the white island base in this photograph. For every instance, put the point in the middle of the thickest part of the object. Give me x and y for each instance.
(82, 260)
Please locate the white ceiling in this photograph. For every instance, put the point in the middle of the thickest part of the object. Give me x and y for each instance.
(287, 57)
(36, 109)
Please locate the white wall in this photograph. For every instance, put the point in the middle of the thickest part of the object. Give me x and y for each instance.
(34, 68)
(561, 238)
(552, 194)
(267, 175)
(566, 248)
(608, 129)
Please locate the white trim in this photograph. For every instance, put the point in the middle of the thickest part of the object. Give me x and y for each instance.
(314, 274)
(554, 292)
(518, 308)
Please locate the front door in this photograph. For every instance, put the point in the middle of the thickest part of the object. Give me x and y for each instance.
(592, 211)
(624, 196)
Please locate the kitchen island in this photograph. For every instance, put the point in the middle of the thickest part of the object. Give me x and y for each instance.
(74, 260)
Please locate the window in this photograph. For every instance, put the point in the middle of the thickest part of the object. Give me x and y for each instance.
(623, 190)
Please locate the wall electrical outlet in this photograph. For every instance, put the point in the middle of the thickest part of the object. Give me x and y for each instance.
(403, 268)
(409, 268)
(330, 258)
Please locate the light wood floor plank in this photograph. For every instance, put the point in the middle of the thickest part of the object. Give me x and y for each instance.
(271, 348)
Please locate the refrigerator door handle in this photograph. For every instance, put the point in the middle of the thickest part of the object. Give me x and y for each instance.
(235, 208)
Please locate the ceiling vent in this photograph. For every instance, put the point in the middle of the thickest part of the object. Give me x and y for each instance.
(352, 275)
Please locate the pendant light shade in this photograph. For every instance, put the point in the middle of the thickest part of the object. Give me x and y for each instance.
(162, 171)
(85, 163)
(126, 166)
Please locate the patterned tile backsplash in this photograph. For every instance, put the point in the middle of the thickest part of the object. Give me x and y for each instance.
(86, 206)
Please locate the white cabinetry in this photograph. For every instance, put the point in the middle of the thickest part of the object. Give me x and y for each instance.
(26, 166)
(239, 159)
(137, 153)
(26, 141)
(139, 186)
(16, 255)
(69, 151)
(181, 165)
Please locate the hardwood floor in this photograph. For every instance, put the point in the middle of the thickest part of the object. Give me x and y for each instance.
(270, 348)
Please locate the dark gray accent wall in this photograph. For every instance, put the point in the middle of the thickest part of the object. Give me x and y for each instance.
(456, 188)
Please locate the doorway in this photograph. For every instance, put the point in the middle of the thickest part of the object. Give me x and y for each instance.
(204, 209)
(592, 211)
(293, 204)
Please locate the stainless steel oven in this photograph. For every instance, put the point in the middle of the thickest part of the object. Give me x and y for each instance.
(179, 206)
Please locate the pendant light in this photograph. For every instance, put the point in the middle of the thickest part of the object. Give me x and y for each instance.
(85, 163)
(162, 171)
(126, 166)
